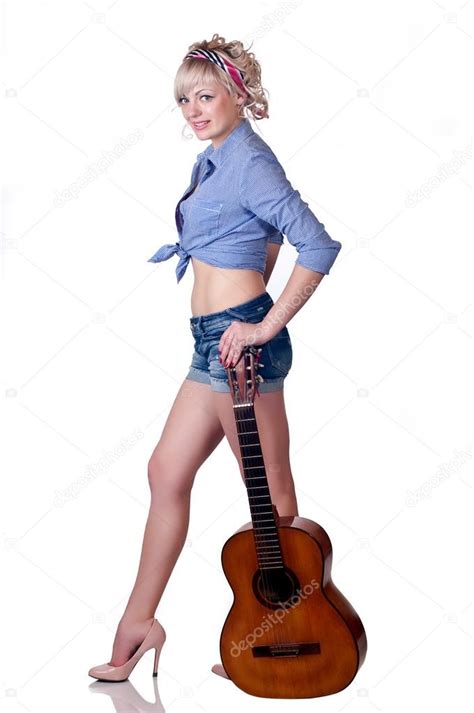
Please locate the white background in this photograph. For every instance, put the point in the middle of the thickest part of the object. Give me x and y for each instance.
(369, 115)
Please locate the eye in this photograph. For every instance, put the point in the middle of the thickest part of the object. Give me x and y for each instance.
(201, 97)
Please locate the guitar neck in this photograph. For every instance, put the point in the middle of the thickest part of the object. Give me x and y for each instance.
(265, 528)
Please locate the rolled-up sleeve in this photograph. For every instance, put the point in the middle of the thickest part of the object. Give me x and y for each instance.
(268, 194)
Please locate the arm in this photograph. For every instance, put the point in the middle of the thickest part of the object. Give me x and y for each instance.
(298, 290)
(280, 205)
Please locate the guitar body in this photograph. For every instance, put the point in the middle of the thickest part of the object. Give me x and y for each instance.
(290, 633)
(313, 643)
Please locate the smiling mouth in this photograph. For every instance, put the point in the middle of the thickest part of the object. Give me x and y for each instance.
(200, 124)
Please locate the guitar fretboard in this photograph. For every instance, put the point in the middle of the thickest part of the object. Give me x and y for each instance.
(267, 542)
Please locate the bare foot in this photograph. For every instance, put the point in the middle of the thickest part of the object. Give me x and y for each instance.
(128, 639)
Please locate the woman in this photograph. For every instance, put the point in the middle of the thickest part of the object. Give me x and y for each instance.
(230, 222)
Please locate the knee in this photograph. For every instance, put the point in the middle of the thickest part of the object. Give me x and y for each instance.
(166, 479)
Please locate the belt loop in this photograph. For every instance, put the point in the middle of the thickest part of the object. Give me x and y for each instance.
(234, 313)
(196, 326)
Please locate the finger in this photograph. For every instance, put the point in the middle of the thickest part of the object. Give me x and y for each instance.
(226, 353)
(225, 340)
(234, 356)
(231, 357)
(223, 348)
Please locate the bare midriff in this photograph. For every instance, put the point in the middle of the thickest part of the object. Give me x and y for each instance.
(217, 288)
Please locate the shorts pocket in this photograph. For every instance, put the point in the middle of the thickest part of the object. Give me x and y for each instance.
(280, 352)
(205, 215)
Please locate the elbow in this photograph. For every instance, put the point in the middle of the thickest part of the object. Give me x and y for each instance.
(319, 259)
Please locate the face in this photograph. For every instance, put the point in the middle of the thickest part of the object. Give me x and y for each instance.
(211, 112)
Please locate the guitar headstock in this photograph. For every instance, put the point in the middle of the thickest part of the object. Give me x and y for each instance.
(243, 378)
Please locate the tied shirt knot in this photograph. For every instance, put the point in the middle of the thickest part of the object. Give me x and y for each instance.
(166, 251)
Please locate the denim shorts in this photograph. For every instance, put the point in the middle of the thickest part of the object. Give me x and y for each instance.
(275, 358)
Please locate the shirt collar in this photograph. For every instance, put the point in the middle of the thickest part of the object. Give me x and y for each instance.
(236, 136)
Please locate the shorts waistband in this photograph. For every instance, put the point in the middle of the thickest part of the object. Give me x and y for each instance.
(242, 309)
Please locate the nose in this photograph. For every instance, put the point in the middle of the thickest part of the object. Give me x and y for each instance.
(194, 111)
(194, 115)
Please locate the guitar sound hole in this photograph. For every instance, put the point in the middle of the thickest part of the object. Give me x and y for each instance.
(274, 588)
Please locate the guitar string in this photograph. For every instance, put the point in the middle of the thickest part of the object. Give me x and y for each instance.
(243, 434)
(274, 539)
(249, 412)
(263, 573)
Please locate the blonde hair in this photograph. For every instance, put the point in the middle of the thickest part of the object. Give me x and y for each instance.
(197, 71)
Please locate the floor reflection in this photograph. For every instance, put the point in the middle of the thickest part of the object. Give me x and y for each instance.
(126, 698)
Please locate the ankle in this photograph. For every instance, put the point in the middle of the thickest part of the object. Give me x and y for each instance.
(131, 621)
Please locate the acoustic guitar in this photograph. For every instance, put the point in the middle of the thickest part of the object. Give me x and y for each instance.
(290, 633)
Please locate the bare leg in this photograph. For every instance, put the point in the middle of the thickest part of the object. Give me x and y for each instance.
(191, 432)
(274, 436)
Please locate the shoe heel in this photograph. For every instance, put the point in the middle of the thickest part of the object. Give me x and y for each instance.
(155, 663)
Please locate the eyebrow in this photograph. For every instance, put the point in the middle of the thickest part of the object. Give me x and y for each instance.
(200, 90)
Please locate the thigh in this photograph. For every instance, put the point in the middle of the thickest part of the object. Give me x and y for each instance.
(192, 431)
(272, 424)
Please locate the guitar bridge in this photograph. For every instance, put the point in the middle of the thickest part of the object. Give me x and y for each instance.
(280, 650)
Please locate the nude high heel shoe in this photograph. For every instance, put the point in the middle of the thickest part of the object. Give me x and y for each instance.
(153, 640)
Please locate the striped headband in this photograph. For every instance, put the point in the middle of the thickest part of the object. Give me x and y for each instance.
(234, 72)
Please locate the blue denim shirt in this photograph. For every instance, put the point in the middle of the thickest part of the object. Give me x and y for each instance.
(238, 200)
